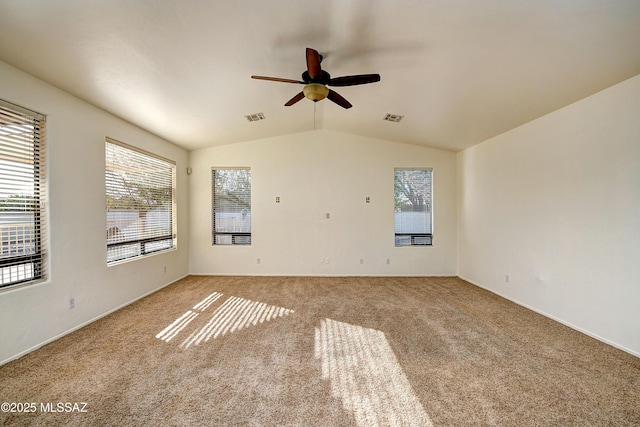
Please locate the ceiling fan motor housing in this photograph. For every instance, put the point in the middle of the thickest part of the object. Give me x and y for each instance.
(323, 79)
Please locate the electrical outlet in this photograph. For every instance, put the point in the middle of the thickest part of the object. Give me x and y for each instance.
(507, 278)
(164, 269)
(258, 261)
(361, 260)
(388, 261)
(72, 302)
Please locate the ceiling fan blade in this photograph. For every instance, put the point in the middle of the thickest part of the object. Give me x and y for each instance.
(277, 79)
(335, 97)
(295, 99)
(360, 79)
(313, 63)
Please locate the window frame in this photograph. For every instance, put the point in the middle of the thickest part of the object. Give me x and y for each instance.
(142, 241)
(236, 237)
(32, 266)
(416, 238)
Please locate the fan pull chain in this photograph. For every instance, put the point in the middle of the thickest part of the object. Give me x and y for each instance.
(314, 116)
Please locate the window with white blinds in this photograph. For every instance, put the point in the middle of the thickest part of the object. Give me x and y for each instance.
(231, 206)
(22, 195)
(141, 211)
(413, 207)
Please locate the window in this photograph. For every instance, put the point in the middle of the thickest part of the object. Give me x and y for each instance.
(22, 195)
(231, 206)
(413, 207)
(141, 213)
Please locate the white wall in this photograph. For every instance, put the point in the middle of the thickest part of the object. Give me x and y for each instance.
(314, 173)
(555, 204)
(35, 314)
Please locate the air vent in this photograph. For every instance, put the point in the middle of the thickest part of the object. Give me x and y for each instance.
(393, 117)
(255, 117)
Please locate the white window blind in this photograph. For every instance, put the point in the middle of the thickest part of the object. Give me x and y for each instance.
(22, 195)
(140, 202)
(231, 206)
(413, 207)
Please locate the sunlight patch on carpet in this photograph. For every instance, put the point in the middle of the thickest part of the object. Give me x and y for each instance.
(181, 322)
(365, 374)
(234, 314)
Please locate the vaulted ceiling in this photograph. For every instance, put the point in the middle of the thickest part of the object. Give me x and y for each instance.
(459, 71)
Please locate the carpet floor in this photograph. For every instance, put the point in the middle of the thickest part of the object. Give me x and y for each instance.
(323, 351)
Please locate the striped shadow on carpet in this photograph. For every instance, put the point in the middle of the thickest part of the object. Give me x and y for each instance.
(234, 314)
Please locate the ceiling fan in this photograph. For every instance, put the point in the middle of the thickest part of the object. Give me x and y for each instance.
(316, 81)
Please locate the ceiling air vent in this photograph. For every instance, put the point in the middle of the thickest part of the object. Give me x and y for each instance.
(393, 117)
(255, 117)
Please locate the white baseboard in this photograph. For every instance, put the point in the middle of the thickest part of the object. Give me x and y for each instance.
(75, 328)
(557, 319)
(319, 275)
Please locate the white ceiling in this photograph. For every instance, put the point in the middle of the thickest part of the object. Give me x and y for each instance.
(460, 71)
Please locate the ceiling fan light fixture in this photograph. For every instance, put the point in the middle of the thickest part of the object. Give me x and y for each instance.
(315, 91)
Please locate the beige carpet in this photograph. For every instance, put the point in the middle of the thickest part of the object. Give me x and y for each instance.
(269, 351)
